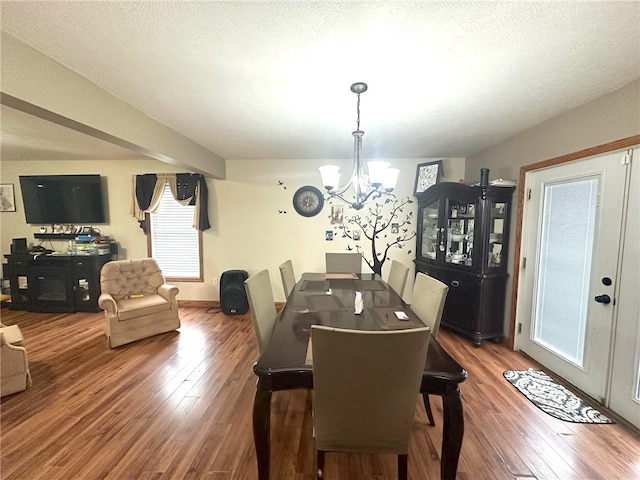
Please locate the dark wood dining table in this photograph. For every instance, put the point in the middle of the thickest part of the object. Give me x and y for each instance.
(326, 299)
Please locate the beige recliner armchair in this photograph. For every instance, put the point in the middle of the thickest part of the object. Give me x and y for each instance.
(136, 301)
(14, 364)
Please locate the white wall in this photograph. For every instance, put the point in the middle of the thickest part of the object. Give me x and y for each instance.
(247, 231)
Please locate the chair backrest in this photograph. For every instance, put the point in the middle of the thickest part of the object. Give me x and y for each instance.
(365, 387)
(262, 306)
(125, 277)
(427, 301)
(343, 262)
(288, 277)
(398, 277)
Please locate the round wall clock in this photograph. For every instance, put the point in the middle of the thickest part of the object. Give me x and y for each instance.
(308, 201)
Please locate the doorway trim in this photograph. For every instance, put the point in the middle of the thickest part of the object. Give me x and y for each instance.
(627, 142)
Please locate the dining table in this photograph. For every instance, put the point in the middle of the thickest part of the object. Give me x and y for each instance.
(330, 300)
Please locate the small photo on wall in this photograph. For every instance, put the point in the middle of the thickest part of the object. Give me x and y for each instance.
(394, 228)
(328, 235)
(356, 235)
(337, 215)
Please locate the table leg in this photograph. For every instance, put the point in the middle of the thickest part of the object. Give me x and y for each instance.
(261, 431)
(452, 432)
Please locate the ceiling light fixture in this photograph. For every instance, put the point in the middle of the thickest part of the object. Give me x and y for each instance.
(380, 181)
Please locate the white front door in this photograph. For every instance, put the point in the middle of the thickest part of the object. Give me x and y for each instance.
(571, 242)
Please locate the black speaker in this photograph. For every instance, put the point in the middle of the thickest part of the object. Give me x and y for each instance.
(233, 297)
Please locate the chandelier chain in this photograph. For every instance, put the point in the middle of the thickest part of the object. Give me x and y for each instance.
(358, 110)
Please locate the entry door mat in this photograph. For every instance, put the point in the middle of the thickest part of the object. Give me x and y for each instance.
(552, 398)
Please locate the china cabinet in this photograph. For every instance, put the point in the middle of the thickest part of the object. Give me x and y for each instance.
(462, 240)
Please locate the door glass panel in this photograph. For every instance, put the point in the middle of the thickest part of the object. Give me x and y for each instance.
(564, 267)
(496, 232)
(460, 226)
(430, 230)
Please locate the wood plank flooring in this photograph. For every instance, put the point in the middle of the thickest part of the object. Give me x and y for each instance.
(178, 406)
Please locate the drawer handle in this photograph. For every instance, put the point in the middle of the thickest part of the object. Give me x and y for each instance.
(455, 283)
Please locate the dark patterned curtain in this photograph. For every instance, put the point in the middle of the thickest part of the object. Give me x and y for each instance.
(194, 186)
(189, 186)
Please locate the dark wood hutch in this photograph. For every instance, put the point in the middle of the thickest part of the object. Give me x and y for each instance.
(463, 240)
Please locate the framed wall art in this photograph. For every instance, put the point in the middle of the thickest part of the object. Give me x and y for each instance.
(7, 198)
(337, 214)
(427, 174)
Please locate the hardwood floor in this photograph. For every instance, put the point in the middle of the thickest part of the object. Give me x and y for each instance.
(178, 405)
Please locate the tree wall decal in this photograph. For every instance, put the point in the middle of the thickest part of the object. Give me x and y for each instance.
(376, 227)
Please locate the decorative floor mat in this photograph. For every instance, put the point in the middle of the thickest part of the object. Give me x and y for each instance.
(552, 398)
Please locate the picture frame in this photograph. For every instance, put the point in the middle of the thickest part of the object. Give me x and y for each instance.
(328, 235)
(356, 235)
(427, 175)
(337, 214)
(7, 198)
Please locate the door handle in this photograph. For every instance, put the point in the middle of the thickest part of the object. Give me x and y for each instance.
(603, 298)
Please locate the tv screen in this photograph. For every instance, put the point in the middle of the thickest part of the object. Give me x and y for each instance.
(63, 199)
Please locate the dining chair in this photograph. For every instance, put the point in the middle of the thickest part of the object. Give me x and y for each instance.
(364, 390)
(398, 277)
(429, 295)
(288, 277)
(262, 306)
(343, 262)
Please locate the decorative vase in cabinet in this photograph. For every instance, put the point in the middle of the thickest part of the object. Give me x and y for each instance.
(463, 240)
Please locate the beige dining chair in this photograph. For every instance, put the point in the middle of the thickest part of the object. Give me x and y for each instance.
(262, 306)
(364, 390)
(288, 277)
(343, 262)
(429, 295)
(398, 277)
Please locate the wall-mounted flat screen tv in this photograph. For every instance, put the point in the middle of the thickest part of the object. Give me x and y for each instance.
(63, 199)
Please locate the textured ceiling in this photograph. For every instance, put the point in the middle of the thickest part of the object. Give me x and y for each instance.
(271, 79)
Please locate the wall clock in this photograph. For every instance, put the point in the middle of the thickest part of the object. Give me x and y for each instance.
(427, 174)
(308, 201)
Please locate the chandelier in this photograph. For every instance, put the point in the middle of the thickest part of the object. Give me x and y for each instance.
(381, 179)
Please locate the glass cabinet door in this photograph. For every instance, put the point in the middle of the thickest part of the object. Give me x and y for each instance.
(459, 232)
(430, 230)
(496, 233)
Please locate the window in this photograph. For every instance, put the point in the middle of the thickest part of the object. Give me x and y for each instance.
(173, 242)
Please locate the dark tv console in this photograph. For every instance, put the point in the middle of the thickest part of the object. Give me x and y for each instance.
(55, 282)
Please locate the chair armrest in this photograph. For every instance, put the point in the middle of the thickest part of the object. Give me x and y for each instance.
(168, 292)
(16, 355)
(108, 303)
